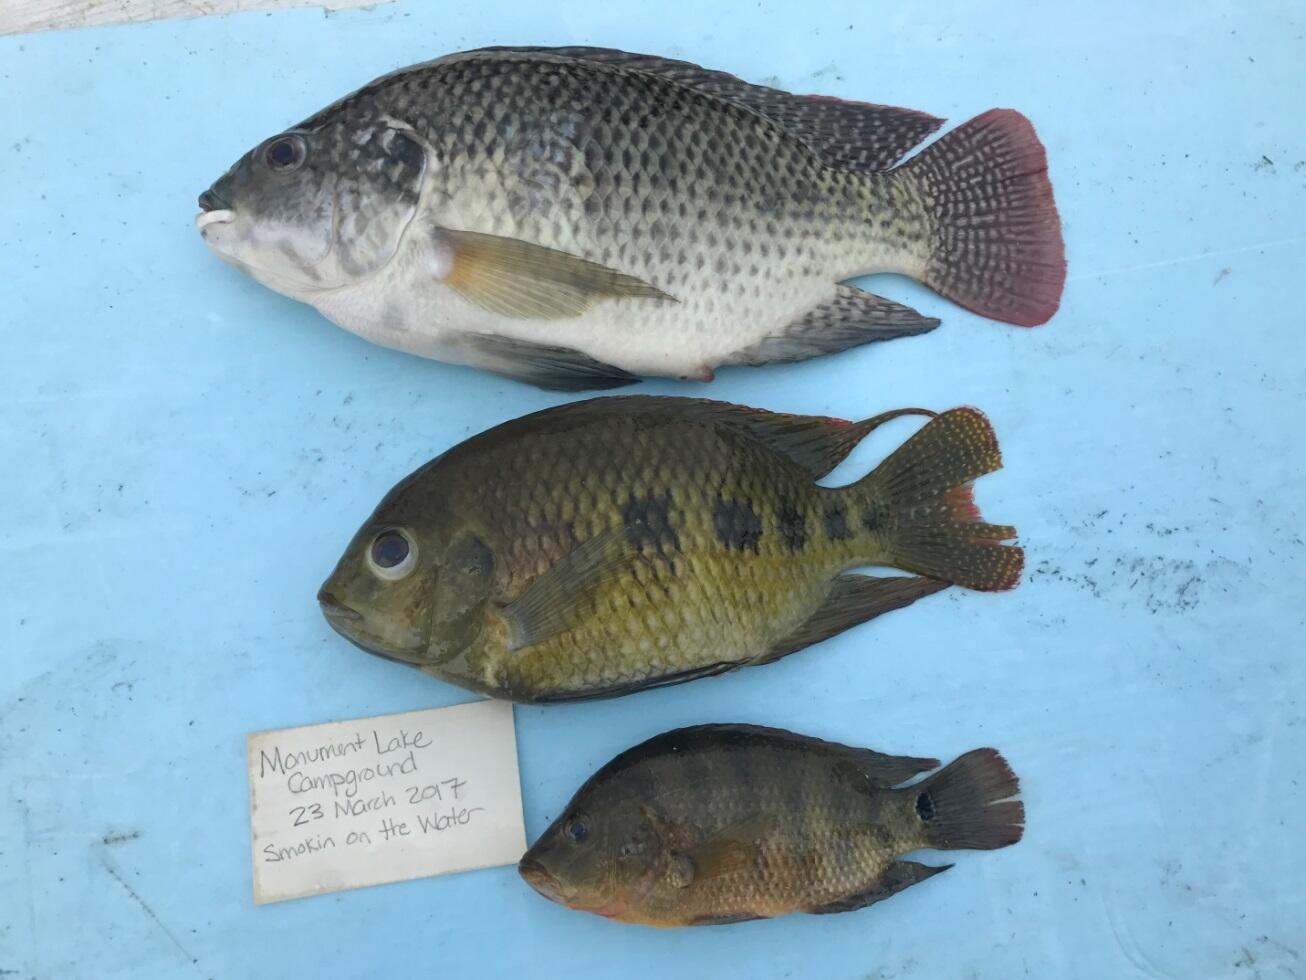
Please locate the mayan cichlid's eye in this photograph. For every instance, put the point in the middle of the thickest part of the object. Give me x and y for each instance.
(392, 554)
(285, 154)
(576, 828)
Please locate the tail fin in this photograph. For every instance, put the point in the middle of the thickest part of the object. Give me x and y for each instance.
(919, 502)
(996, 243)
(967, 805)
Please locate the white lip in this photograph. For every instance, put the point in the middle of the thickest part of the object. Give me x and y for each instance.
(206, 218)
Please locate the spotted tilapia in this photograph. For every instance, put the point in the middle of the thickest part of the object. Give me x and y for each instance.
(576, 217)
(722, 823)
(616, 544)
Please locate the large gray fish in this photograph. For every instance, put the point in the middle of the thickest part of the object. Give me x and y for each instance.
(576, 217)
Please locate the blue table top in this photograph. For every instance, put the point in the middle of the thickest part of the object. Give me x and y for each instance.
(186, 454)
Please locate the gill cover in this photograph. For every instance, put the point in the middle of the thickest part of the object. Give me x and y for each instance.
(328, 214)
(376, 202)
(462, 591)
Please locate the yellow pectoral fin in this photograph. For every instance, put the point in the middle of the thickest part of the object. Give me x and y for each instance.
(734, 848)
(531, 282)
(558, 598)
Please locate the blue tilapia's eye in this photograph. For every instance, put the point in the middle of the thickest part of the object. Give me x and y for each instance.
(393, 554)
(576, 829)
(285, 154)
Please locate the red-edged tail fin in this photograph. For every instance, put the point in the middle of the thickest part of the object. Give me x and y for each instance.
(918, 504)
(968, 805)
(996, 244)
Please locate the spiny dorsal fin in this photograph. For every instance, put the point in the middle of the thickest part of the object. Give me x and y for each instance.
(530, 282)
(817, 443)
(814, 442)
(848, 135)
(887, 771)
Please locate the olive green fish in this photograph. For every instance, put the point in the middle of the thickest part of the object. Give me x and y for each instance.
(724, 823)
(615, 544)
(577, 217)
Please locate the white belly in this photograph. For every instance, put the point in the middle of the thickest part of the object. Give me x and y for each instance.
(686, 339)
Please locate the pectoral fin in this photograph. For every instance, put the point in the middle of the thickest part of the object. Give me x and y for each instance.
(531, 282)
(733, 848)
(556, 600)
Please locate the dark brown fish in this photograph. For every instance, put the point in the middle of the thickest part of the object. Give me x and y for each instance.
(723, 823)
(606, 546)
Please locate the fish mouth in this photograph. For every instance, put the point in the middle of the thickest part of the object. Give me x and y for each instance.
(336, 611)
(217, 217)
(538, 877)
(211, 200)
(348, 622)
(214, 210)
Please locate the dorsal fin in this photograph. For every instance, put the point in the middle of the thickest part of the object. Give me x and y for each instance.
(848, 135)
(817, 443)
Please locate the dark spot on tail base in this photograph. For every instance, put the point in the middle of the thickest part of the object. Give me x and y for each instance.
(836, 523)
(737, 525)
(793, 526)
(876, 519)
(925, 807)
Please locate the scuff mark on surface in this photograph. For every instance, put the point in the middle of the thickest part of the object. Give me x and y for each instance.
(109, 867)
(24, 16)
(112, 840)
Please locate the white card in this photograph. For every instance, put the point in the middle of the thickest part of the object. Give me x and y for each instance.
(364, 802)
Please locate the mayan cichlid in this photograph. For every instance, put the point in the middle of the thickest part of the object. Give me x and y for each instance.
(724, 823)
(615, 544)
(577, 217)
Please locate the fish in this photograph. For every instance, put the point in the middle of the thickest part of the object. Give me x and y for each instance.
(725, 823)
(577, 218)
(606, 546)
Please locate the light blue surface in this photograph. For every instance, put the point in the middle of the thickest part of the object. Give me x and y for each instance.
(185, 453)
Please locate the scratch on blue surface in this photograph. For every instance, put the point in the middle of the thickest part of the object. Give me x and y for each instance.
(110, 867)
(1259, 246)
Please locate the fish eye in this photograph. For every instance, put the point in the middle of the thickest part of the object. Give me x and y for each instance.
(392, 554)
(285, 154)
(576, 829)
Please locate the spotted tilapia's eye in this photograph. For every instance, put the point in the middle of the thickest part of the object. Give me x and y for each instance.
(393, 554)
(576, 829)
(285, 154)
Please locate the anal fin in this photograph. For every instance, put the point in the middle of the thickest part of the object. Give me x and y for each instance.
(852, 318)
(896, 877)
(546, 366)
(644, 684)
(853, 599)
